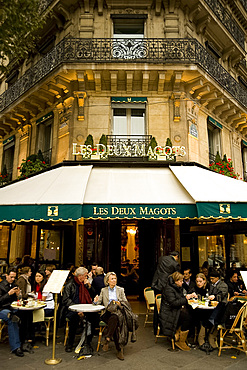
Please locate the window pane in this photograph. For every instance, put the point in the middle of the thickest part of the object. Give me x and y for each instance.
(137, 122)
(119, 121)
(128, 28)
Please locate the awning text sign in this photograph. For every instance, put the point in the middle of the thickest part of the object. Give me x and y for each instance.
(139, 211)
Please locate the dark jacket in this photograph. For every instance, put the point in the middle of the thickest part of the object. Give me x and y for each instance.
(189, 288)
(233, 287)
(70, 293)
(167, 266)
(201, 292)
(5, 298)
(171, 304)
(98, 283)
(220, 291)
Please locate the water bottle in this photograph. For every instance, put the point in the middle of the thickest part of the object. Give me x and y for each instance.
(19, 299)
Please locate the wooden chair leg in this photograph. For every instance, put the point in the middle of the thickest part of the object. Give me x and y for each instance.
(221, 343)
(157, 334)
(66, 333)
(101, 329)
(173, 345)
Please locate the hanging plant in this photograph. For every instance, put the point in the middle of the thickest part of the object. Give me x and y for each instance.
(31, 165)
(224, 166)
(4, 176)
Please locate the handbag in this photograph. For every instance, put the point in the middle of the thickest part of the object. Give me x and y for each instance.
(112, 307)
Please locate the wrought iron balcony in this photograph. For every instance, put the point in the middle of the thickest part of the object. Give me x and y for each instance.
(47, 156)
(44, 4)
(244, 3)
(155, 51)
(227, 20)
(212, 158)
(136, 145)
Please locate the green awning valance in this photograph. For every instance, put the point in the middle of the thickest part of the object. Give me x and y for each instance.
(214, 122)
(9, 140)
(44, 118)
(128, 100)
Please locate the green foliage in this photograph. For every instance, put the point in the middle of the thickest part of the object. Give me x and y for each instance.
(4, 177)
(223, 166)
(168, 142)
(153, 143)
(32, 164)
(89, 140)
(171, 157)
(217, 158)
(20, 21)
(103, 140)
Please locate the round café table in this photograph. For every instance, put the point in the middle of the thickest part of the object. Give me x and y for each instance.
(37, 306)
(85, 308)
(206, 345)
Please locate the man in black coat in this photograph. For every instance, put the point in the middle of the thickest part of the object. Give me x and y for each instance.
(78, 290)
(98, 280)
(167, 266)
(8, 294)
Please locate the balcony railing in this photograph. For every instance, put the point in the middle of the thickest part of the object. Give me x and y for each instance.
(155, 51)
(212, 158)
(244, 3)
(227, 20)
(47, 156)
(136, 145)
(44, 4)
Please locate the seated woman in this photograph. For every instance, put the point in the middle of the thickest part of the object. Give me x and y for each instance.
(202, 286)
(39, 283)
(111, 292)
(174, 312)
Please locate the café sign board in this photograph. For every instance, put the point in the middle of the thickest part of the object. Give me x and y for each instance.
(101, 151)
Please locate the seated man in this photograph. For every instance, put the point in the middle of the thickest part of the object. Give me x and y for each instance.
(8, 294)
(77, 290)
(218, 289)
(233, 283)
(188, 284)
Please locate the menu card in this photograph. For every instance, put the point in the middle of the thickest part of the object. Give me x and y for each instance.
(244, 277)
(56, 281)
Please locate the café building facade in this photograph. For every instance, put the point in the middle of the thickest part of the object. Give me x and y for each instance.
(160, 89)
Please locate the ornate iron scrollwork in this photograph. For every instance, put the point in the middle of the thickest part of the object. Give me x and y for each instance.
(166, 51)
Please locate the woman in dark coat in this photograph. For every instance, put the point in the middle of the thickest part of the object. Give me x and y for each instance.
(174, 312)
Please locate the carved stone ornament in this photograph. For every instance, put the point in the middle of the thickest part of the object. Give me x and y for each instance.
(64, 115)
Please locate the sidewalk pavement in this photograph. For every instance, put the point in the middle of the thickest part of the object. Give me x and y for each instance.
(145, 354)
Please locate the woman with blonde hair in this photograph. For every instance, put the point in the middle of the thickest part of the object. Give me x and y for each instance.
(111, 292)
(174, 315)
(202, 285)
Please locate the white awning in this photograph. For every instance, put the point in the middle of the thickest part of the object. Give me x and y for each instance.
(71, 192)
(135, 186)
(208, 186)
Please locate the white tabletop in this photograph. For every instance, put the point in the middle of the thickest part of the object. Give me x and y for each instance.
(28, 308)
(203, 307)
(87, 307)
